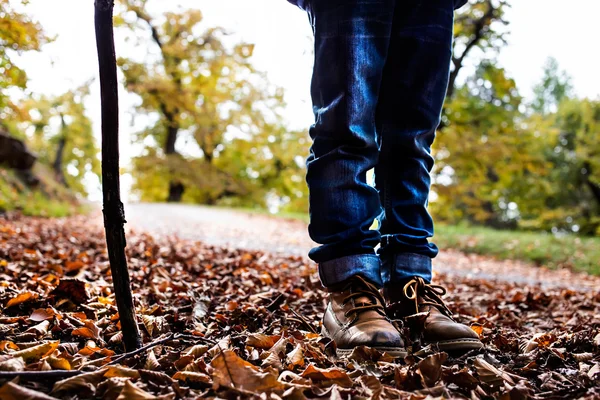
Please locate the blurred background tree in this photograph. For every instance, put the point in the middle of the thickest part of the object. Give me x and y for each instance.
(18, 34)
(61, 134)
(216, 135)
(212, 132)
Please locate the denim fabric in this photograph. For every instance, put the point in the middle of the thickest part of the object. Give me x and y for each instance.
(303, 4)
(379, 80)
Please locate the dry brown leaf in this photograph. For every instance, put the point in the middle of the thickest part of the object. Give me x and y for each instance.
(12, 391)
(84, 384)
(295, 358)
(262, 341)
(72, 289)
(491, 375)
(430, 368)
(40, 329)
(196, 351)
(132, 392)
(151, 363)
(230, 370)
(13, 364)
(594, 372)
(327, 376)
(196, 377)
(42, 314)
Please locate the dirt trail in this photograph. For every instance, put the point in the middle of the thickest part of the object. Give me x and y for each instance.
(222, 227)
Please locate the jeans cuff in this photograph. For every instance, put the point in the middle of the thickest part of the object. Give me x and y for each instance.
(404, 266)
(340, 269)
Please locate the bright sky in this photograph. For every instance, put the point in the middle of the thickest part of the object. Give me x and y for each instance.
(282, 35)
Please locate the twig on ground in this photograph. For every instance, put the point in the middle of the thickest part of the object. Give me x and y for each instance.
(304, 321)
(157, 342)
(60, 374)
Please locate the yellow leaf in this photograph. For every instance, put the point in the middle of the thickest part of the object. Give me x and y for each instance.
(117, 371)
(7, 344)
(22, 298)
(35, 353)
(59, 363)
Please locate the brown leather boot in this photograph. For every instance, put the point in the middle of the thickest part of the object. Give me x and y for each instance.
(420, 306)
(355, 316)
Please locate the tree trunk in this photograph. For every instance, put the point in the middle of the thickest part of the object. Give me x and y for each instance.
(176, 188)
(58, 162)
(114, 215)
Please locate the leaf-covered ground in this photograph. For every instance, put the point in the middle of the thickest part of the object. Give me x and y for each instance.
(237, 324)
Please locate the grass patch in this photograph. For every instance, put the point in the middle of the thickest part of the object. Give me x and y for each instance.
(48, 199)
(540, 248)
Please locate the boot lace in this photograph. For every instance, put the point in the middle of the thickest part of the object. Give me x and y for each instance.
(426, 294)
(360, 288)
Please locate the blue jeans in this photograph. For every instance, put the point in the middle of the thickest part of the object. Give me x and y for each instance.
(380, 76)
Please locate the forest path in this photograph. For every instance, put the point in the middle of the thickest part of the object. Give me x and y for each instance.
(253, 231)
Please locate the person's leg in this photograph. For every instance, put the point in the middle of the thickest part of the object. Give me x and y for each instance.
(410, 103)
(351, 43)
(412, 93)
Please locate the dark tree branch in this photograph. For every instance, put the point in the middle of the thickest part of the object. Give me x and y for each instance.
(114, 215)
(478, 29)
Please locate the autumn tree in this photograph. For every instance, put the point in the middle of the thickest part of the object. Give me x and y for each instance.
(478, 33)
(198, 87)
(61, 133)
(18, 33)
(554, 87)
(568, 197)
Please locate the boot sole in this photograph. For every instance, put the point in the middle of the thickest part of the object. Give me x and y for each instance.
(457, 345)
(396, 352)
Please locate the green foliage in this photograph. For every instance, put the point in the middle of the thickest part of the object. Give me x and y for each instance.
(18, 33)
(200, 87)
(502, 167)
(61, 133)
(554, 86)
(567, 197)
(48, 199)
(553, 251)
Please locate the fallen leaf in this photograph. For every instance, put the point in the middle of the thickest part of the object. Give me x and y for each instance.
(84, 384)
(42, 314)
(327, 376)
(132, 392)
(12, 391)
(430, 368)
(21, 298)
(295, 358)
(35, 353)
(59, 363)
(118, 371)
(72, 289)
(230, 370)
(13, 364)
(262, 341)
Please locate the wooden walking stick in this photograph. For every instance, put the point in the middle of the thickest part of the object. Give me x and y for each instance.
(114, 215)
